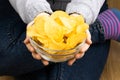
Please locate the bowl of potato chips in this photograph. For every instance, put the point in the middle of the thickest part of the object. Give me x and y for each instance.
(55, 55)
(57, 37)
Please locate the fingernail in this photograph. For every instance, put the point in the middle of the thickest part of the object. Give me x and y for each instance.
(46, 63)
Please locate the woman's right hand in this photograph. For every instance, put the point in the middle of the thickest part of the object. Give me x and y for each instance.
(33, 52)
(31, 48)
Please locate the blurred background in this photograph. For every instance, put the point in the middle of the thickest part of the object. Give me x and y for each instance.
(112, 67)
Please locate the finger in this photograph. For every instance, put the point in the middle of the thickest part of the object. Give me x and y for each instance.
(45, 62)
(84, 48)
(88, 40)
(30, 48)
(70, 62)
(28, 45)
(26, 41)
(79, 55)
(36, 56)
(88, 34)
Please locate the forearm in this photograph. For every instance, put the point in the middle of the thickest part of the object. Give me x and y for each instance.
(88, 8)
(28, 9)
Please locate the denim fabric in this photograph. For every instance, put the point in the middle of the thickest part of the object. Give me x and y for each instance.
(97, 32)
(14, 57)
(16, 60)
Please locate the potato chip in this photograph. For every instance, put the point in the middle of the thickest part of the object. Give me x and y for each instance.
(75, 39)
(68, 24)
(54, 30)
(59, 31)
(56, 46)
(59, 13)
(39, 24)
(78, 18)
(82, 28)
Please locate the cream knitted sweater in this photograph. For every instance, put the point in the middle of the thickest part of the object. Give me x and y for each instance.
(28, 9)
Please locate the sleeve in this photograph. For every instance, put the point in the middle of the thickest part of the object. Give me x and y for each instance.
(28, 9)
(88, 8)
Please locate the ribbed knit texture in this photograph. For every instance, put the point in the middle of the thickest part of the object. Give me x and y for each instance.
(88, 8)
(110, 20)
(34, 7)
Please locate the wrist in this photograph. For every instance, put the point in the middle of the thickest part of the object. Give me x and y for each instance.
(44, 13)
(75, 1)
(74, 13)
(77, 14)
(82, 9)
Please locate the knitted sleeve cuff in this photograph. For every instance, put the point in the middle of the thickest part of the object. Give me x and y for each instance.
(33, 8)
(88, 8)
(82, 9)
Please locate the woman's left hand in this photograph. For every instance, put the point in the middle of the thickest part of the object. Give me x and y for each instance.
(82, 50)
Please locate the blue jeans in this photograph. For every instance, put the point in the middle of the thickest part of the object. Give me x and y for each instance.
(17, 61)
(14, 56)
(87, 68)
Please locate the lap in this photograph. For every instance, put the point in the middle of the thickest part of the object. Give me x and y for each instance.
(14, 57)
(89, 67)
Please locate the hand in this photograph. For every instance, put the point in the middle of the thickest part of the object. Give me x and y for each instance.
(70, 62)
(34, 54)
(31, 48)
(82, 50)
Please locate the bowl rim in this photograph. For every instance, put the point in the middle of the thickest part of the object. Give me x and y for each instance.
(79, 45)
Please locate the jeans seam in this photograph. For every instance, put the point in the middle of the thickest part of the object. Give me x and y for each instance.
(62, 70)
